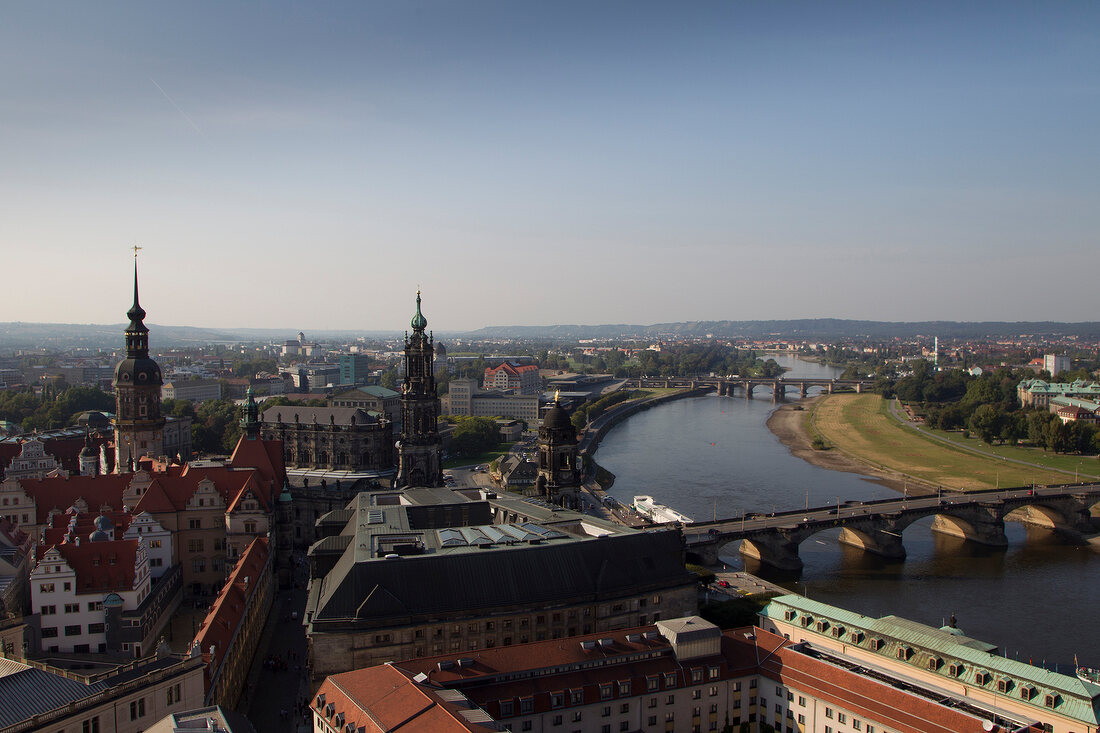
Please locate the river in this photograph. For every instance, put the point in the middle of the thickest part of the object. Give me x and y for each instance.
(700, 455)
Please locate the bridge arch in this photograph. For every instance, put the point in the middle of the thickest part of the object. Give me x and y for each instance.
(1037, 515)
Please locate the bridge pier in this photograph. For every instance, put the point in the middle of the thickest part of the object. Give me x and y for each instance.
(779, 391)
(722, 388)
(777, 550)
(748, 390)
(859, 387)
(802, 391)
(881, 542)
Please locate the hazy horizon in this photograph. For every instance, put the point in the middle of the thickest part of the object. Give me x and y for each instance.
(555, 163)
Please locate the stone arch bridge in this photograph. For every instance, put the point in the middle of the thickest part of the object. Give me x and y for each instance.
(877, 526)
(778, 386)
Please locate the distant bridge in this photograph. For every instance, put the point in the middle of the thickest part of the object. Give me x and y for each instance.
(777, 385)
(877, 526)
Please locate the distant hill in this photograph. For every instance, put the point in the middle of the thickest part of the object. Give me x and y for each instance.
(823, 329)
(68, 335)
(109, 336)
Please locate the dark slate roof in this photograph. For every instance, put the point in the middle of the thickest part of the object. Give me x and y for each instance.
(373, 592)
(319, 415)
(28, 691)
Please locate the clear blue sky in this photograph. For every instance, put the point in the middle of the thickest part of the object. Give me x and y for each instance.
(308, 165)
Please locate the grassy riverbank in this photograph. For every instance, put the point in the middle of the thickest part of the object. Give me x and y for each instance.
(862, 428)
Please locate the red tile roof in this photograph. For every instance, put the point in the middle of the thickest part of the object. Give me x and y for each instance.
(85, 525)
(228, 610)
(99, 566)
(508, 368)
(395, 702)
(60, 493)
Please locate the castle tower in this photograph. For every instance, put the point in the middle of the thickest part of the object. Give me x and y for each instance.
(559, 480)
(139, 425)
(420, 450)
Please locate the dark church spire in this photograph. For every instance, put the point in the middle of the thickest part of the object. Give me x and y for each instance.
(137, 335)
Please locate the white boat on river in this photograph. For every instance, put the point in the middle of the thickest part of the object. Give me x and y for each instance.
(658, 513)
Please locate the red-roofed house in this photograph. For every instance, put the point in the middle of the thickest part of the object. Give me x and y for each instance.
(212, 512)
(513, 377)
(231, 630)
(80, 590)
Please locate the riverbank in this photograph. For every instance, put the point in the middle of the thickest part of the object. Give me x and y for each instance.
(788, 423)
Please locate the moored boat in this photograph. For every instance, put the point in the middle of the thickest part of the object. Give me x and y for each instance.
(658, 513)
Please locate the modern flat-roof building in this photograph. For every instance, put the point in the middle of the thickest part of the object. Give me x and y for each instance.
(420, 572)
(465, 399)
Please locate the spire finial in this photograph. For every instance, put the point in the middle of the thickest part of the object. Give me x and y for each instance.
(419, 322)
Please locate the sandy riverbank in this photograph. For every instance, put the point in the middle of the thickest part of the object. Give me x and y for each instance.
(788, 423)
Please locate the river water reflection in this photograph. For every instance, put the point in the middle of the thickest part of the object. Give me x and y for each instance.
(1036, 599)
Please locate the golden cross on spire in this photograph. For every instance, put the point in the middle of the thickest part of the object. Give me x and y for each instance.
(136, 248)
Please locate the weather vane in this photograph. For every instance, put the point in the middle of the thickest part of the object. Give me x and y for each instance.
(136, 248)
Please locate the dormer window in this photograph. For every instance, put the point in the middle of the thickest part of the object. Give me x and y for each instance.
(1004, 684)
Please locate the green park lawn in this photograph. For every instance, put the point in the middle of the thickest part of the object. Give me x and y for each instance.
(861, 427)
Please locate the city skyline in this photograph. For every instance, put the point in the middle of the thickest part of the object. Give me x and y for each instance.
(538, 164)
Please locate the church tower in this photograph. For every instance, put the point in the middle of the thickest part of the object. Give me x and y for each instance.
(420, 451)
(139, 426)
(559, 480)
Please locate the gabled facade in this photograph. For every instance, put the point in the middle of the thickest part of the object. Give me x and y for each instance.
(33, 462)
(80, 589)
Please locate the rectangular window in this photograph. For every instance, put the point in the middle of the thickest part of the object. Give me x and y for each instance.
(193, 523)
(95, 628)
(194, 545)
(198, 564)
(49, 632)
(45, 588)
(72, 608)
(48, 610)
(841, 718)
(154, 544)
(73, 630)
(95, 605)
(91, 726)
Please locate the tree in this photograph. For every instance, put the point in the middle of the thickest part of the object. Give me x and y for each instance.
(216, 428)
(986, 422)
(474, 435)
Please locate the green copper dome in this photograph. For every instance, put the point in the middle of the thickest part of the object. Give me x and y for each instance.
(419, 322)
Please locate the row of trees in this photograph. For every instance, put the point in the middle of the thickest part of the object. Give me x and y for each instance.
(592, 410)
